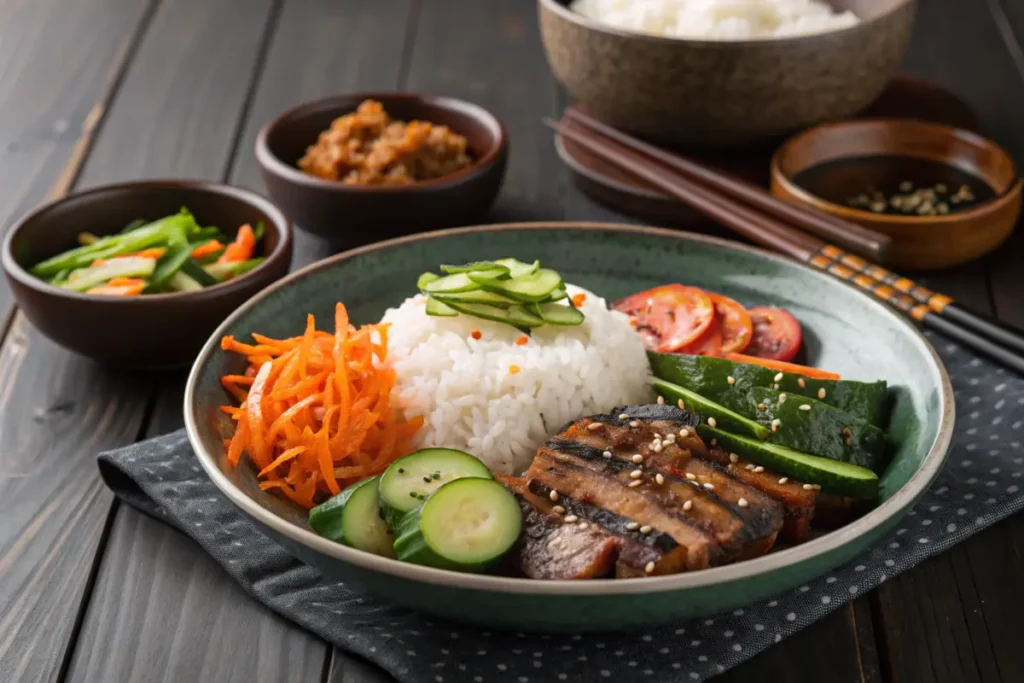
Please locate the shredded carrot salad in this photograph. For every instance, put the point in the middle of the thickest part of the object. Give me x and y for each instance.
(314, 411)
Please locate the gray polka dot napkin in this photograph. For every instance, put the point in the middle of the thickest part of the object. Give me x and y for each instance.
(980, 486)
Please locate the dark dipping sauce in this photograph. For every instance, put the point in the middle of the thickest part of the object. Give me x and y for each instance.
(895, 185)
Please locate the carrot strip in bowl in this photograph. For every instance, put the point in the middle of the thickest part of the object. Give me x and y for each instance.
(314, 412)
(207, 249)
(242, 248)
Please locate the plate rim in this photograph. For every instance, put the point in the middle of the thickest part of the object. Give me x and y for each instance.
(918, 483)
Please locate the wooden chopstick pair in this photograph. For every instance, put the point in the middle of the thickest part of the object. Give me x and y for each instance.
(752, 212)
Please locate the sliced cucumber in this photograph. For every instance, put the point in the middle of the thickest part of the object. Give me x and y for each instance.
(169, 264)
(709, 376)
(531, 288)
(354, 518)
(459, 282)
(478, 296)
(516, 315)
(475, 266)
(709, 410)
(558, 314)
(408, 481)
(125, 266)
(836, 477)
(180, 282)
(466, 525)
(556, 295)
(865, 400)
(440, 309)
(197, 273)
(226, 271)
(517, 268)
(810, 426)
(426, 278)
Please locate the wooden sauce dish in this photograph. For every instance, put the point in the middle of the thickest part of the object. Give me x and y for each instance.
(830, 165)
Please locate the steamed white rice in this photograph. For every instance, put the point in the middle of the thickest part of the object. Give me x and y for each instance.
(718, 19)
(471, 401)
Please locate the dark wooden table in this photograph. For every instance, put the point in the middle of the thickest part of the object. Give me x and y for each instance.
(94, 91)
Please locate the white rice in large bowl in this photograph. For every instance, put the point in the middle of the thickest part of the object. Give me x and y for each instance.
(472, 401)
(718, 19)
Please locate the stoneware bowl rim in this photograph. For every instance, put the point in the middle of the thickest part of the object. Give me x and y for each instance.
(918, 482)
(240, 194)
(894, 221)
(556, 7)
(271, 163)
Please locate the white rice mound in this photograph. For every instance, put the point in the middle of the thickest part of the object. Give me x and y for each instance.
(718, 19)
(472, 402)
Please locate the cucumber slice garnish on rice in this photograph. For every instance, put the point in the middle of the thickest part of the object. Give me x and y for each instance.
(559, 314)
(477, 296)
(517, 268)
(409, 481)
(517, 315)
(466, 525)
(527, 288)
(506, 290)
(425, 279)
(458, 282)
(438, 308)
(476, 266)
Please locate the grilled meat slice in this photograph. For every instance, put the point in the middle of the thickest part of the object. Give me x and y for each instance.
(664, 441)
(799, 503)
(709, 501)
(570, 477)
(636, 551)
(550, 549)
(716, 517)
(594, 545)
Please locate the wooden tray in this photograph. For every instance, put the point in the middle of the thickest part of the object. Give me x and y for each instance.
(906, 97)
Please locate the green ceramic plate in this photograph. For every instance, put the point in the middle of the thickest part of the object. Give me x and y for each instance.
(844, 331)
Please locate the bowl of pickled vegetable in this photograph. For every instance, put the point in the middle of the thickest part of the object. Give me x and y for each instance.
(138, 274)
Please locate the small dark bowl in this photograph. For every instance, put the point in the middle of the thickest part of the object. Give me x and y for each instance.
(154, 330)
(918, 242)
(352, 215)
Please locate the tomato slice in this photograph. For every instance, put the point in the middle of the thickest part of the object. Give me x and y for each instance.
(737, 327)
(782, 366)
(708, 344)
(669, 317)
(776, 334)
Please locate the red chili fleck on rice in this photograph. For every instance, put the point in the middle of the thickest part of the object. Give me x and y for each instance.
(578, 299)
(523, 341)
(475, 334)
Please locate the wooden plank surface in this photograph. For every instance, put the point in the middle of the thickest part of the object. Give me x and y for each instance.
(181, 103)
(55, 507)
(163, 609)
(50, 100)
(500, 65)
(336, 47)
(46, 543)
